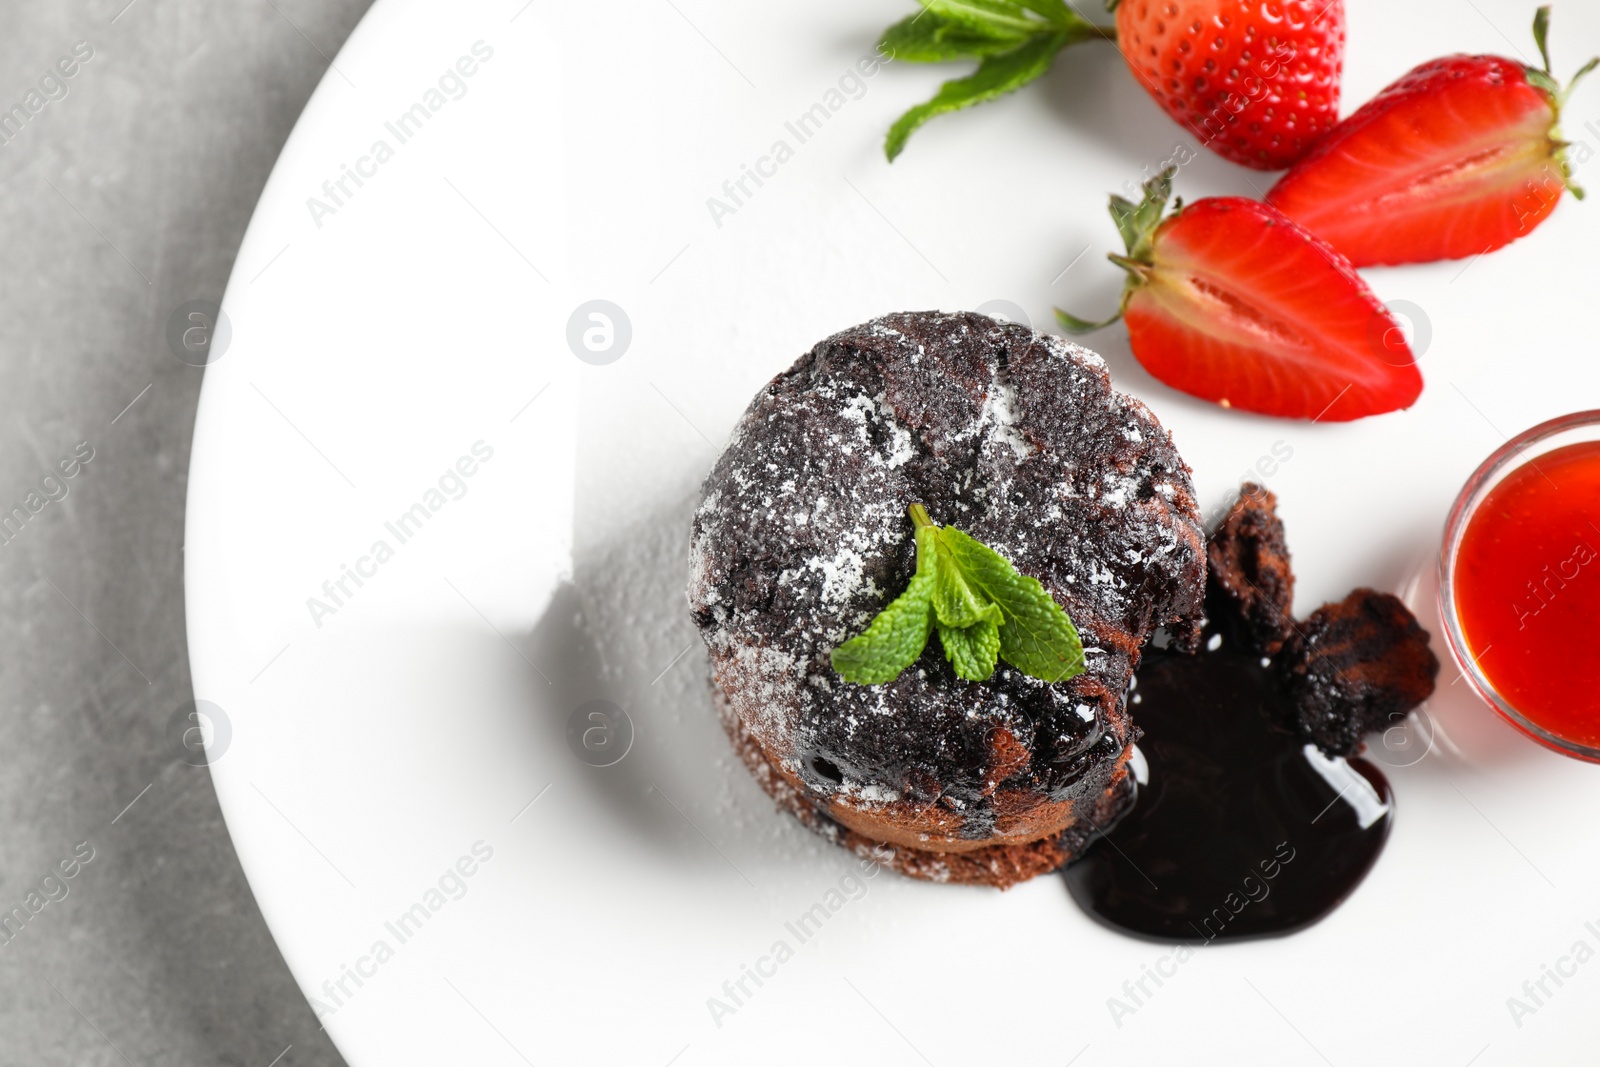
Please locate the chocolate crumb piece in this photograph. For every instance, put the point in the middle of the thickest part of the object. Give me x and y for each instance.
(1249, 559)
(1354, 667)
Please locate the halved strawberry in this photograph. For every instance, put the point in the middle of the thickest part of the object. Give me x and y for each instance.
(1461, 156)
(1230, 301)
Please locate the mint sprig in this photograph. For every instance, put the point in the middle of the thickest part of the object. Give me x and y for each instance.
(1015, 42)
(984, 611)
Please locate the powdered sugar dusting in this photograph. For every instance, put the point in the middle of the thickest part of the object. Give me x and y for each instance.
(1001, 422)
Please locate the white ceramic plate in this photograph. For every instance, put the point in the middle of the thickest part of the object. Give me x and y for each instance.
(422, 722)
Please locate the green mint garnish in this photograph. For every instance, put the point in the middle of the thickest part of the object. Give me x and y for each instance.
(1014, 41)
(900, 632)
(983, 610)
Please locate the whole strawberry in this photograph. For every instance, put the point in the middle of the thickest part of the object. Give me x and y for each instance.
(1461, 156)
(1256, 80)
(1229, 301)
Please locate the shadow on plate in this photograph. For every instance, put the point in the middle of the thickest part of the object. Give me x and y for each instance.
(629, 701)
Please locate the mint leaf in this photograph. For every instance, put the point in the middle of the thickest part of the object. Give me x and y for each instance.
(1016, 41)
(892, 643)
(930, 38)
(1037, 637)
(983, 609)
(990, 16)
(897, 636)
(955, 605)
(1055, 10)
(996, 76)
(972, 651)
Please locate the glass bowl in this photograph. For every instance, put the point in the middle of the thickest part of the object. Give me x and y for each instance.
(1571, 429)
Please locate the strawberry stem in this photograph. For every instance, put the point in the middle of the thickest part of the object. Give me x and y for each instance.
(1546, 81)
(1137, 224)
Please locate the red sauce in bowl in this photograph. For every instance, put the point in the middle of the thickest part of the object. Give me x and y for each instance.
(1527, 591)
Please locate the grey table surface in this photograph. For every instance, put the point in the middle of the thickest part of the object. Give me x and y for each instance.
(127, 187)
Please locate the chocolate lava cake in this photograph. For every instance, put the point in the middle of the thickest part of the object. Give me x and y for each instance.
(802, 537)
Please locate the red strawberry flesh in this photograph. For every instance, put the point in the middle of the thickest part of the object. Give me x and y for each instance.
(1240, 306)
(1457, 158)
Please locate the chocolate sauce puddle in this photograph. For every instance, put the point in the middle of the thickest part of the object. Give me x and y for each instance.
(1241, 829)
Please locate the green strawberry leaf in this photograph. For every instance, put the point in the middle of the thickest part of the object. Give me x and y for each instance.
(1541, 34)
(1148, 213)
(996, 76)
(1076, 326)
(1125, 213)
(972, 651)
(1137, 225)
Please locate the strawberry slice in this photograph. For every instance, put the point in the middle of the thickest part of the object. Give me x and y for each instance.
(1460, 157)
(1230, 301)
